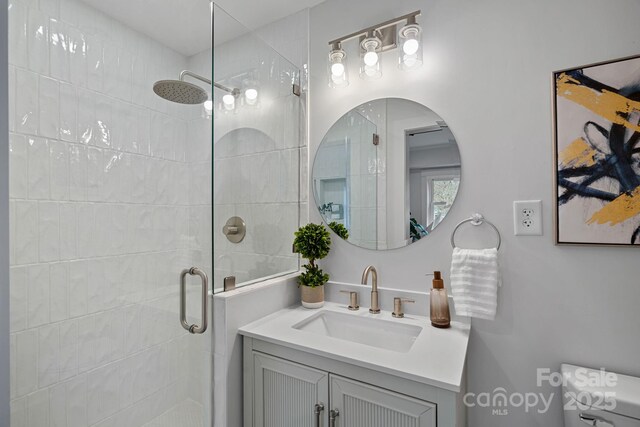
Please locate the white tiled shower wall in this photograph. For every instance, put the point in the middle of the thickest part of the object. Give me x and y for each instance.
(100, 209)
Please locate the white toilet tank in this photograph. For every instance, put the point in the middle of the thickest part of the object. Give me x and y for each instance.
(599, 398)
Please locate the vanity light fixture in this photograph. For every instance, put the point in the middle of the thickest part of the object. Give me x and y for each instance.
(410, 36)
(370, 63)
(338, 66)
(250, 90)
(373, 41)
(251, 96)
(208, 106)
(229, 102)
(239, 90)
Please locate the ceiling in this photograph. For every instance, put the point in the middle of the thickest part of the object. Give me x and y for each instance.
(185, 25)
(256, 13)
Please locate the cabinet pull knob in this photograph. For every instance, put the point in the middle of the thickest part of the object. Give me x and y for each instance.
(317, 411)
(333, 414)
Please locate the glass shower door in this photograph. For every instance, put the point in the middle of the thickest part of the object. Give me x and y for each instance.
(116, 202)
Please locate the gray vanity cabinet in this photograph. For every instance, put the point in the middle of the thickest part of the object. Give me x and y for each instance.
(285, 393)
(282, 393)
(362, 405)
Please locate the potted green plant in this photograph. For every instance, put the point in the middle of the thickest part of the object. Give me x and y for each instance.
(312, 242)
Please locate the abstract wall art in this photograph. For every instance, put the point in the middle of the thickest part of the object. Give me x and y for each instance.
(597, 153)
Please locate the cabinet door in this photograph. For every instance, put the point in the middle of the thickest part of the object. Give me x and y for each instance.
(286, 393)
(362, 405)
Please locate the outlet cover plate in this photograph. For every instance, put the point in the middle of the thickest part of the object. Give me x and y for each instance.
(527, 218)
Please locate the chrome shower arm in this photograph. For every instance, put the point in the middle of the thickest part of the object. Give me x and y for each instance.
(234, 92)
(195, 76)
(184, 73)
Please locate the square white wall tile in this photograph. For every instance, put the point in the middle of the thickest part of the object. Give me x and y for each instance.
(78, 73)
(18, 294)
(19, 412)
(59, 170)
(68, 360)
(12, 367)
(58, 405)
(12, 98)
(18, 54)
(50, 8)
(18, 166)
(38, 408)
(59, 291)
(94, 63)
(78, 282)
(38, 295)
(38, 168)
(48, 355)
(49, 99)
(49, 231)
(68, 112)
(13, 231)
(38, 41)
(26, 102)
(59, 48)
(25, 232)
(78, 172)
(26, 362)
(68, 231)
(86, 126)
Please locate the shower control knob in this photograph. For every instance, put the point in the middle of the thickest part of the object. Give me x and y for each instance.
(235, 229)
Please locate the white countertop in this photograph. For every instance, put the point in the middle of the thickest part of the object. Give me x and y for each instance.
(436, 358)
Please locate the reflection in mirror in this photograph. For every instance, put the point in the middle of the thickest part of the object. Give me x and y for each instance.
(388, 171)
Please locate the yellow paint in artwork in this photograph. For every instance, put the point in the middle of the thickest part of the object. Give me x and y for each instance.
(618, 210)
(577, 154)
(606, 104)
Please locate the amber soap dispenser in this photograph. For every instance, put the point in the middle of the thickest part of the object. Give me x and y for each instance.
(439, 303)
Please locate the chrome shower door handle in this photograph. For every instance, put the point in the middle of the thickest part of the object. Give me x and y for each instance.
(194, 271)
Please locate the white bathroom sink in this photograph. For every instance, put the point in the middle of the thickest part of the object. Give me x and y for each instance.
(408, 348)
(363, 330)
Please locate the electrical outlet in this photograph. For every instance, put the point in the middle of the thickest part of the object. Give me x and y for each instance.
(527, 218)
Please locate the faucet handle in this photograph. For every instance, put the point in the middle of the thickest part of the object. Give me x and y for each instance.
(353, 300)
(397, 306)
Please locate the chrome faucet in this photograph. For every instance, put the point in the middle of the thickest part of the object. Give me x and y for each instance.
(375, 308)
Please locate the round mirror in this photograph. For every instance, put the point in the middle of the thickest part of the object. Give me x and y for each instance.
(386, 174)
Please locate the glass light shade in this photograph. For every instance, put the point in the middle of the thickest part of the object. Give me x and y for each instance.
(370, 58)
(410, 52)
(338, 68)
(251, 96)
(208, 106)
(229, 102)
(250, 91)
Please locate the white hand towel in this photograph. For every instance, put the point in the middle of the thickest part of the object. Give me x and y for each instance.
(474, 282)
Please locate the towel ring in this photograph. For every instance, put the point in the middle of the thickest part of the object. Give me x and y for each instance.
(476, 219)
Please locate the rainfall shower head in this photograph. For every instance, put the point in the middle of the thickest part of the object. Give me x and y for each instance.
(180, 92)
(187, 93)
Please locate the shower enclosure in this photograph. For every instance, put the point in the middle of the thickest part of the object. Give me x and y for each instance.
(111, 199)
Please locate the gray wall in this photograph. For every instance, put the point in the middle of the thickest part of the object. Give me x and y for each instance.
(4, 221)
(487, 72)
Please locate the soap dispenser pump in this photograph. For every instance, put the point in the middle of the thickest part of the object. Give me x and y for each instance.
(439, 303)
